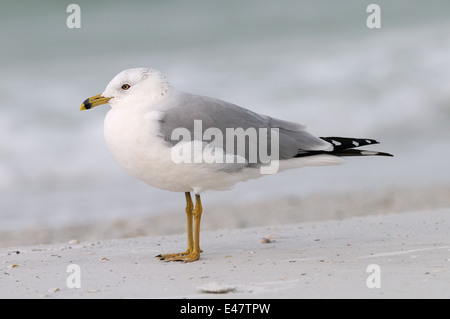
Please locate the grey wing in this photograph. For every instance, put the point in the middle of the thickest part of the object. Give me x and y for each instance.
(213, 113)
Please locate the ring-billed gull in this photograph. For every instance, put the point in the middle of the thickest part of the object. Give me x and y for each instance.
(165, 137)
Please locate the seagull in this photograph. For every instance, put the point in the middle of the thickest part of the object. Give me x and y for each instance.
(182, 142)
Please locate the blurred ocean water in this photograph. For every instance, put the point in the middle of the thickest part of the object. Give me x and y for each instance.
(313, 62)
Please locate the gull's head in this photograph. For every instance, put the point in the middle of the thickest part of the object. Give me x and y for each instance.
(132, 86)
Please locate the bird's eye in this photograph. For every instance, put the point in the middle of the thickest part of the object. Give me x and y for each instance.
(125, 87)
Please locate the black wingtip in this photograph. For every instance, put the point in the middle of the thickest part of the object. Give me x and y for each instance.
(353, 152)
(345, 146)
(343, 143)
(373, 153)
(385, 154)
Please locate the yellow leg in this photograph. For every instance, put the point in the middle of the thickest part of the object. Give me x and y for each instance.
(190, 215)
(195, 254)
(193, 233)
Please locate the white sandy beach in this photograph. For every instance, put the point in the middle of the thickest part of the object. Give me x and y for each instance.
(324, 259)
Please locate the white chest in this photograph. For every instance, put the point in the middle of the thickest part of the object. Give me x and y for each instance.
(132, 139)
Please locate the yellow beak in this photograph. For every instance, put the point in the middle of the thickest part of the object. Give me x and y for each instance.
(94, 101)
